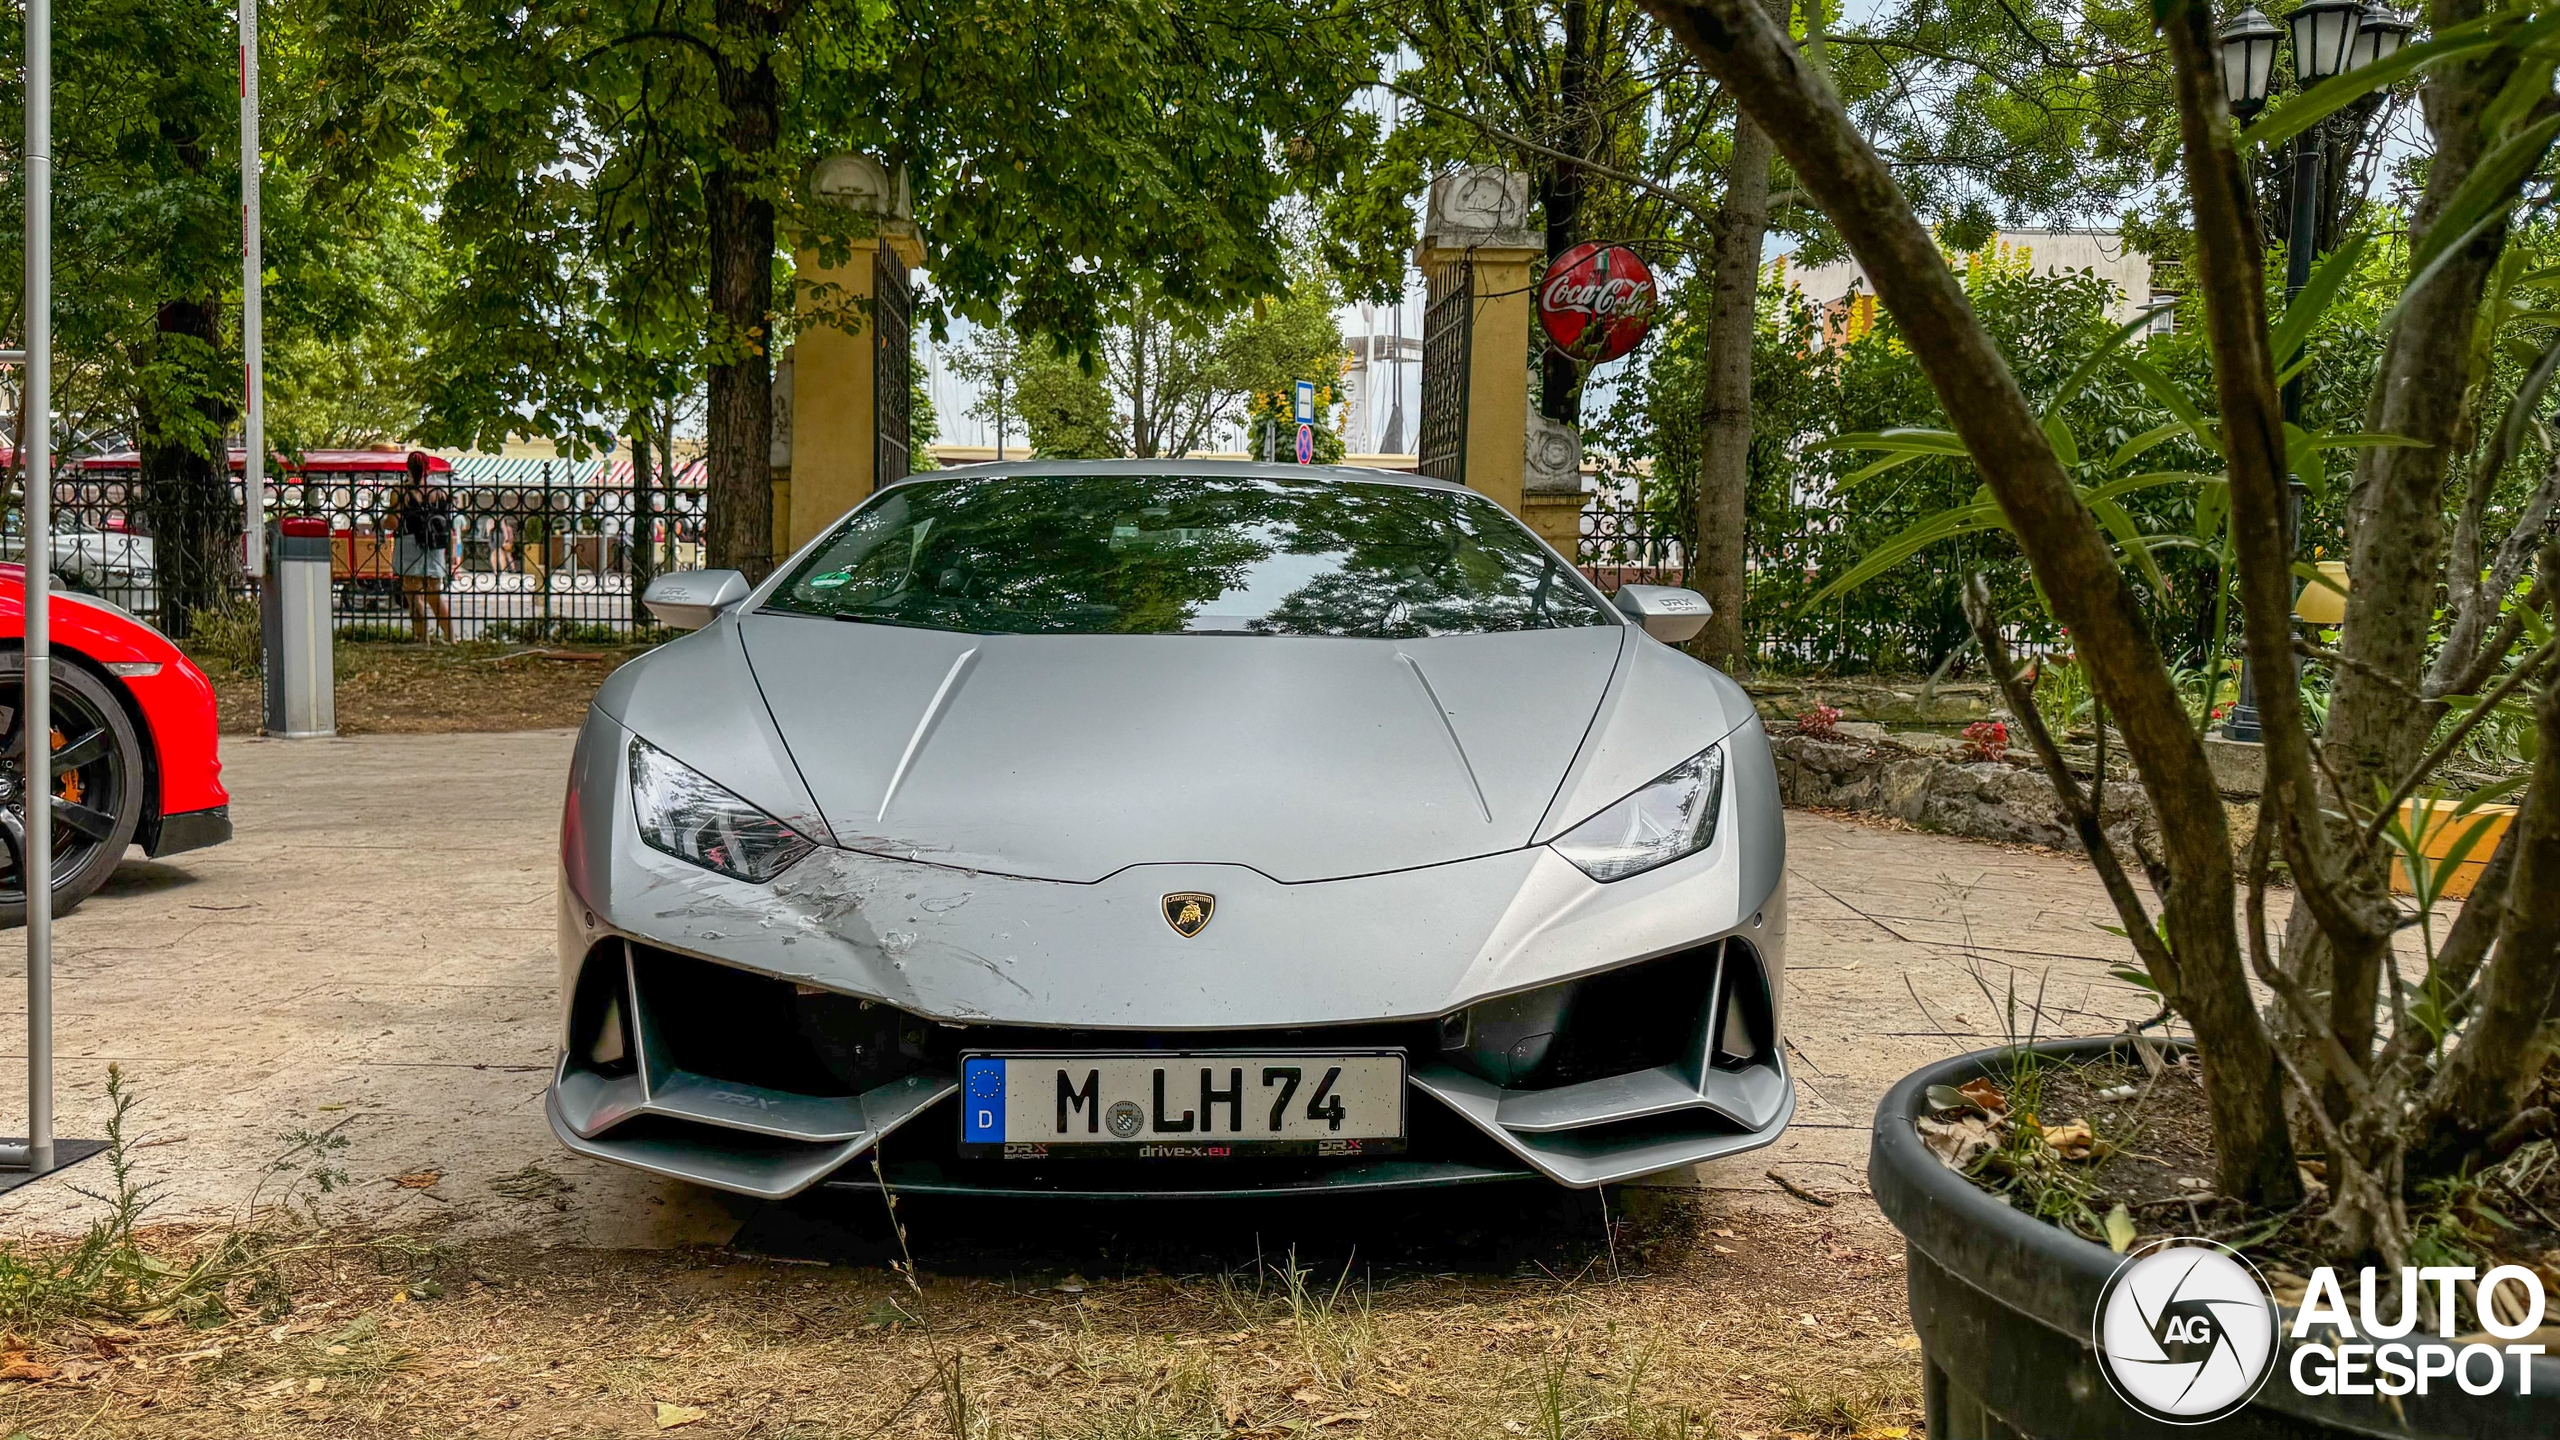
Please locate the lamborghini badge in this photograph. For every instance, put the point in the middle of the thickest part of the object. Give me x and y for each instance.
(1188, 912)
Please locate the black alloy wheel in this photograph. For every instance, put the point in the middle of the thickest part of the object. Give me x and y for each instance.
(96, 785)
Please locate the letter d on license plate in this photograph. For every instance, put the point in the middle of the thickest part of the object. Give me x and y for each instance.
(1202, 1105)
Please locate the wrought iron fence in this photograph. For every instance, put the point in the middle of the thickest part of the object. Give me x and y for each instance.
(1623, 544)
(540, 551)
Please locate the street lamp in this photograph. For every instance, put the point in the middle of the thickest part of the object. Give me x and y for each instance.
(2330, 37)
(2248, 55)
(2324, 38)
(2379, 35)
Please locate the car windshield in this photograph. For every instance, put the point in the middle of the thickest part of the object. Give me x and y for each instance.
(1120, 554)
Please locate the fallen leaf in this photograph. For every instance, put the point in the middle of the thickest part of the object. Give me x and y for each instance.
(671, 1416)
(1724, 1249)
(1883, 1432)
(2119, 1228)
(1985, 1095)
(1906, 1341)
(1947, 1097)
(19, 1367)
(318, 1384)
(1072, 1285)
(1309, 1396)
(2071, 1141)
(1345, 1417)
(1725, 1234)
(1956, 1143)
(419, 1181)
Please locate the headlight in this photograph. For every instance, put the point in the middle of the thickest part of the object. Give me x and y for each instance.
(1671, 817)
(685, 815)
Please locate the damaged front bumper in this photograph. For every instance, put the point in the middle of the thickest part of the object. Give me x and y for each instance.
(766, 1039)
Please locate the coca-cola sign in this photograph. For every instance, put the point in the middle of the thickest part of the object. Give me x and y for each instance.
(1596, 302)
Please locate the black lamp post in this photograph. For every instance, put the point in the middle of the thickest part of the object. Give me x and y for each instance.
(2329, 37)
(2248, 53)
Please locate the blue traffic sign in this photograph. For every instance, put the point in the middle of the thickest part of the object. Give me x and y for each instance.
(1306, 444)
(1306, 402)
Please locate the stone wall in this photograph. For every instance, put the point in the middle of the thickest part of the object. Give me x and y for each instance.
(1923, 781)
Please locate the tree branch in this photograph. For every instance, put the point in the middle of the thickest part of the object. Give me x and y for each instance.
(2475, 600)
(2083, 813)
(1751, 56)
(2462, 728)
(1627, 178)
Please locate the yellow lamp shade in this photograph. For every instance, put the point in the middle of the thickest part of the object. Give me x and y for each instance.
(2321, 604)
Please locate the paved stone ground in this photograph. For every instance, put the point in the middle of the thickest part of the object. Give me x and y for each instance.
(374, 949)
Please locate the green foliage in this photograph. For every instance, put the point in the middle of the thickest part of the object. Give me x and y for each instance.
(1165, 378)
(581, 134)
(230, 634)
(1815, 377)
(110, 1275)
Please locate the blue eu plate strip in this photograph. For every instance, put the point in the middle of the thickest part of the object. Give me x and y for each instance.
(982, 1101)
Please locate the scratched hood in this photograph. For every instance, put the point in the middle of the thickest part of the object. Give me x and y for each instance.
(1069, 757)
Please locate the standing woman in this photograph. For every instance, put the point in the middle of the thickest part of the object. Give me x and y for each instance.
(422, 519)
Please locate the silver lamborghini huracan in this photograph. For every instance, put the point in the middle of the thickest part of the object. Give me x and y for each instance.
(1170, 827)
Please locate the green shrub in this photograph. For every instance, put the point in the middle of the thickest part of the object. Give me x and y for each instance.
(229, 634)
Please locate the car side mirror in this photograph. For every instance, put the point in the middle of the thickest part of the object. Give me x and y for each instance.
(1667, 613)
(691, 599)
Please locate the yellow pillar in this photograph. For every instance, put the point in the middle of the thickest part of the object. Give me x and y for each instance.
(1556, 518)
(833, 454)
(1477, 227)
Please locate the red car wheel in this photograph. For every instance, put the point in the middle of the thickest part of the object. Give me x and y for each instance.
(96, 786)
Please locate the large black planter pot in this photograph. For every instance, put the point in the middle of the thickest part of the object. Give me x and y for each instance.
(2004, 1306)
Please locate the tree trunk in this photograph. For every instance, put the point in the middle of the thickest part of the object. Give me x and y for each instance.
(1717, 507)
(1560, 195)
(1752, 57)
(186, 496)
(741, 226)
(2502, 1056)
(2378, 725)
(639, 553)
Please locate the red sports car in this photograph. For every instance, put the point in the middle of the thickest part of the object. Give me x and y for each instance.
(134, 758)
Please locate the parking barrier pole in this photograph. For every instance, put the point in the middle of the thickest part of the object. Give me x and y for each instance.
(35, 440)
(253, 461)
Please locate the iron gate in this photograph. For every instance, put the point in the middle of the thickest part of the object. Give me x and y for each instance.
(892, 384)
(1448, 344)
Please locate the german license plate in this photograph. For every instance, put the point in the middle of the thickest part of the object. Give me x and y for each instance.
(1207, 1105)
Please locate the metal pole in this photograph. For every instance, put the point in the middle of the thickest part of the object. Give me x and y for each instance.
(2242, 723)
(253, 464)
(36, 857)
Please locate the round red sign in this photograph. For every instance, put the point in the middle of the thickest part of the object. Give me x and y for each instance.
(1596, 302)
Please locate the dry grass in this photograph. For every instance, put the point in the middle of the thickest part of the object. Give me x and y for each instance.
(1736, 1324)
(395, 688)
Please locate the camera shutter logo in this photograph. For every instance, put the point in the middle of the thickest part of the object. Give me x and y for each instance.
(2186, 1332)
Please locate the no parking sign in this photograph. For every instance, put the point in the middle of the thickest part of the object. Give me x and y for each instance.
(1306, 444)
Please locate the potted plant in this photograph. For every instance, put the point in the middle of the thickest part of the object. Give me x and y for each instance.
(2369, 1086)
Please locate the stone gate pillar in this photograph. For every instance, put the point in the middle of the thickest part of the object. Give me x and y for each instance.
(850, 367)
(1478, 258)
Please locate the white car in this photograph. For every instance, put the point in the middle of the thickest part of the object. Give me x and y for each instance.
(1117, 828)
(111, 563)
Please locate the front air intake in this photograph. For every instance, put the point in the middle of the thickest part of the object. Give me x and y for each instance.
(1745, 1029)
